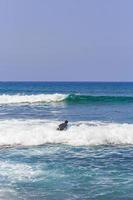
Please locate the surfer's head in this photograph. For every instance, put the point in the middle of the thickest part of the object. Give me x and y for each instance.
(66, 122)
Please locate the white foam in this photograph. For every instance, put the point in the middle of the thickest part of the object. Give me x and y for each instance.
(7, 193)
(18, 171)
(46, 98)
(37, 132)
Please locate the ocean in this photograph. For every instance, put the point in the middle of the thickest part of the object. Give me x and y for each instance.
(91, 160)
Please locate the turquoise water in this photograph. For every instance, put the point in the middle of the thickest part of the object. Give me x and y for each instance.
(92, 159)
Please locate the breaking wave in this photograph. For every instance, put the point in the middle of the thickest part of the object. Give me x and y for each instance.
(67, 98)
(38, 132)
(40, 98)
(98, 99)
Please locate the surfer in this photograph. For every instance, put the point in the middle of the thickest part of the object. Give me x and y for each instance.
(63, 126)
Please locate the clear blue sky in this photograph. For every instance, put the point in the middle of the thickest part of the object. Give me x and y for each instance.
(70, 40)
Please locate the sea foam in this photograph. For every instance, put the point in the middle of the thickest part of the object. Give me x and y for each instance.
(67, 98)
(46, 98)
(38, 132)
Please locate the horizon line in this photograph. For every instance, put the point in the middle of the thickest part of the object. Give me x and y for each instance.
(80, 81)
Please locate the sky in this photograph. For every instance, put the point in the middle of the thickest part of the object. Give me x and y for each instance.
(66, 40)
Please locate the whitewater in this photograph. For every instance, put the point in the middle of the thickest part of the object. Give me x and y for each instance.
(67, 98)
(91, 159)
(19, 98)
(39, 132)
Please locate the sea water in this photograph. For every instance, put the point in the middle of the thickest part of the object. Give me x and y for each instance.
(91, 160)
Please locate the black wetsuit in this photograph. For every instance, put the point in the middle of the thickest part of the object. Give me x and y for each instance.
(62, 126)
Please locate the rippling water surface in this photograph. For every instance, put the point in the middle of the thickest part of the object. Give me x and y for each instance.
(92, 159)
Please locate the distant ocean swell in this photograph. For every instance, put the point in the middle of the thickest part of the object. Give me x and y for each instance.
(87, 133)
(67, 98)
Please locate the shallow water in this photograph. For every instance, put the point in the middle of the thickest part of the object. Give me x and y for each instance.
(92, 159)
(66, 172)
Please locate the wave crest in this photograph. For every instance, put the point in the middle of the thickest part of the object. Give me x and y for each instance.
(40, 98)
(73, 98)
(67, 98)
(37, 132)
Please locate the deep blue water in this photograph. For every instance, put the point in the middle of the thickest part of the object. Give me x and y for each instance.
(92, 159)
